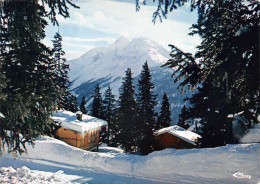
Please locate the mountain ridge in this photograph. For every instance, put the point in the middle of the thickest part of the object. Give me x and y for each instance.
(115, 59)
(107, 66)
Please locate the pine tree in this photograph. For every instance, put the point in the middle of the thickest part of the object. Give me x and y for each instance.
(60, 68)
(164, 119)
(3, 82)
(124, 124)
(109, 112)
(64, 101)
(69, 102)
(183, 116)
(97, 109)
(29, 92)
(209, 104)
(28, 103)
(74, 104)
(226, 63)
(82, 106)
(146, 102)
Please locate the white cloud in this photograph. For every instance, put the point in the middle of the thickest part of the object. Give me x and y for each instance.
(89, 40)
(75, 45)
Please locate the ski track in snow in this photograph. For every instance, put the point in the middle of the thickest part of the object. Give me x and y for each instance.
(53, 161)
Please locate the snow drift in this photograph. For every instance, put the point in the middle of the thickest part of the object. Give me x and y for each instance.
(252, 135)
(25, 175)
(217, 165)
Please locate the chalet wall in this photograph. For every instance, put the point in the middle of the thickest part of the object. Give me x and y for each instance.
(168, 140)
(86, 141)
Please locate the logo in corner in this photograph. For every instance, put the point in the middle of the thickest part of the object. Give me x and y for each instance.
(241, 175)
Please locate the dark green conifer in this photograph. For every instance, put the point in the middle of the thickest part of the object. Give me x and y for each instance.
(146, 102)
(60, 69)
(72, 103)
(97, 109)
(183, 118)
(164, 119)
(226, 64)
(83, 106)
(109, 112)
(126, 118)
(28, 93)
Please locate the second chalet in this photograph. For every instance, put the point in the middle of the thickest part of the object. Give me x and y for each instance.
(175, 137)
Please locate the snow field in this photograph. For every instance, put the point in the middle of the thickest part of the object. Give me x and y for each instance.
(216, 165)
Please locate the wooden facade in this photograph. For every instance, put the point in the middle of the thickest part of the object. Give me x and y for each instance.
(79, 130)
(87, 141)
(175, 137)
(167, 140)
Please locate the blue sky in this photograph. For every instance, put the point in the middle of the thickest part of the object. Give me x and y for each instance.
(99, 23)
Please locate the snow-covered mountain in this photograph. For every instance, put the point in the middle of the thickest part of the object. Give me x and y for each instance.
(107, 66)
(112, 61)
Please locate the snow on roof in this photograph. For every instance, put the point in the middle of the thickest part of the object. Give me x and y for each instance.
(180, 132)
(235, 115)
(1, 115)
(69, 121)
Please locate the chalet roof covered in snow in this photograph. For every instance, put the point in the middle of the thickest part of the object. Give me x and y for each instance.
(181, 133)
(69, 121)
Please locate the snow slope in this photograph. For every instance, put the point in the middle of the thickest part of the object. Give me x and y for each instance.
(228, 164)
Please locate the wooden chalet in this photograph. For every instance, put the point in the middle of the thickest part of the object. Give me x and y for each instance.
(79, 130)
(175, 137)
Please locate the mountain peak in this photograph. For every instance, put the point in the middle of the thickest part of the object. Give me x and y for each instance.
(121, 41)
(115, 59)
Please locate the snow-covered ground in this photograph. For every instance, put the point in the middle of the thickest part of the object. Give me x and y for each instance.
(53, 161)
(252, 135)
